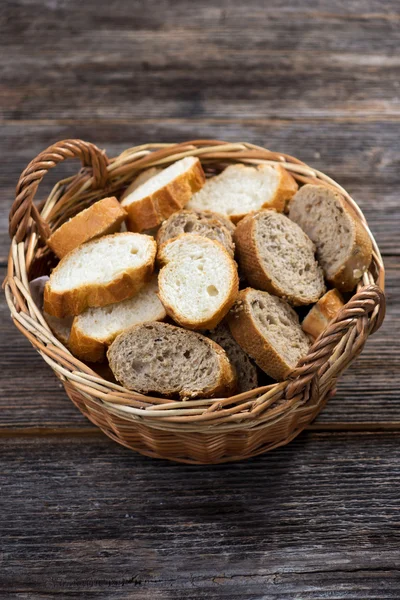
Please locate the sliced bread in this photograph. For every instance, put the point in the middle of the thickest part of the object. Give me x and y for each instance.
(276, 255)
(140, 180)
(206, 223)
(344, 248)
(103, 217)
(164, 359)
(322, 313)
(163, 194)
(268, 329)
(60, 327)
(240, 189)
(245, 369)
(199, 282)
(100, 272)
(94, 329)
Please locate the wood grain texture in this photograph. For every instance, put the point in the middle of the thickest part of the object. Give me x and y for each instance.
(89, 518)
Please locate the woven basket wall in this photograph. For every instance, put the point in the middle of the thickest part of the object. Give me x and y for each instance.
(195, 431)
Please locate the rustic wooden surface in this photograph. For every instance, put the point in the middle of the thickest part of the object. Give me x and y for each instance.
(84, 518)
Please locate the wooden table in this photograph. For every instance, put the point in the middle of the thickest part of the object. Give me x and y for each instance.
(82, 517)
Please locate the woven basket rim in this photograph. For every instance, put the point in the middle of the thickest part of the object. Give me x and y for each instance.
(99, 177)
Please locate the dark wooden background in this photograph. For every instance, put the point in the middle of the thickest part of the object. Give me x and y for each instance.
(82, 517)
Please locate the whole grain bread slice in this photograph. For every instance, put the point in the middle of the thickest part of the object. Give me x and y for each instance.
(103, 271)
(207, 223)
(276, 255)
(344, 248)
(199, 281)
(96, 328)
(322, 313)
(241, 189)
(244, 366)
(101, 218)
(268, 329)
(163, 194)
(164, 359)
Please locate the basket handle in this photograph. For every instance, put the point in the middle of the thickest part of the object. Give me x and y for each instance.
(359, 306)
(23, 207)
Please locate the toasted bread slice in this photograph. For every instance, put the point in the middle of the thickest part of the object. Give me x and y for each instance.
(268, 329)
(276, 255)
(103, 217)
(206, 223)
(164, 359)
(199, 282)
(100, 272)
(96, 328)
(344, 248)
(245, 369)
(322, 313)
(240, 189)
(163, 194)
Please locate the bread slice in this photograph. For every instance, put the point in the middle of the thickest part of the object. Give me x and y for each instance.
(103, 217)
(268, 329)
(206, 223)
(164, 359)
(344, 249)
(199, 282)
(163, 194)
(240, 189)
(245, 369)
(140, 180)
(61, 328)
(100, 272)
(276, 255)
(94, 329)
(322, 313)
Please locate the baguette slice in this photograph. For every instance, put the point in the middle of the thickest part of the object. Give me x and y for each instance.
(199, 282)
(60, 327)
(245, 369)
(276, 255)
(322, 313)
(163, 194)
(164, 359)
(96, 328)
(206, 223)
(103, 217)
(240, 189)
(140, 180)
(268, 329)
(100, 272)
(344, 249)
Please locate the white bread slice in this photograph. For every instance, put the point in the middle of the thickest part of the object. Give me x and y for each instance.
(60, 327)
(207, 223)
(163, 194)
(103, 271)
(240, 189)
(322, 313)
(199, 282)
(164, 359)
(276, 255)
(140, 180)
(94, 329)
(103, 217)
(245, 369)
(344, 248)
(268, 329)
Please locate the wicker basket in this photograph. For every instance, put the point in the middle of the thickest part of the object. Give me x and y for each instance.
(195, 431)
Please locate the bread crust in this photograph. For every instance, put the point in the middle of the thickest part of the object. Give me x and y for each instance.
(230, 298)
(152, 210)
(225, 385)
(252, 263)
(245, 331)
(75, 301)
(102, 218)
(322, 313)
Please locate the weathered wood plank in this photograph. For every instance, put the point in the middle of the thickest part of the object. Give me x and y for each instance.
(87, 517)
(220, 59)
(364, 158)
(31, 397)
